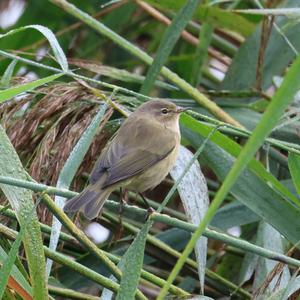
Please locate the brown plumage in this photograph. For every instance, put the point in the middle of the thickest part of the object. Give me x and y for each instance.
(138, 157)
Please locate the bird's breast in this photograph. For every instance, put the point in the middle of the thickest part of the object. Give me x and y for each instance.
(153, 176)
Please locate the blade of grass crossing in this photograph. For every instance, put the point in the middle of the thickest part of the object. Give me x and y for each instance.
(283, 96)
(57, 50)
(16, 90)
(251, 191)
(201, 52)
(21, 201)
(68, 172)
(294, 166)
(5, 80)
(132, 262)
(194, 196)
(169, 40)
(9, 262)
(16, 273)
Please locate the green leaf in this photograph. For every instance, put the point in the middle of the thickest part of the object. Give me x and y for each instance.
(16, 90)
(167, 43)
(5, 80)
(294, 166)
(132, 263)
(21, 201)
(233, 214)
(226, 19)
(248, 266)
(15, 273)
(194, 196)
(201, 52)
(8, 264)
(58, 52)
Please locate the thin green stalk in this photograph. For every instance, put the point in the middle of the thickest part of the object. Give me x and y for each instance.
(283, 96)
(70, 294)
(173, 77)
(142, 213)
(233, 94)
(227, 128)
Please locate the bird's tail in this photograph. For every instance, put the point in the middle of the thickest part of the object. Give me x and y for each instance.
(90, 201)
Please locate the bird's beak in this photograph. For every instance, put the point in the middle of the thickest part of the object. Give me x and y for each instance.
(182, 109)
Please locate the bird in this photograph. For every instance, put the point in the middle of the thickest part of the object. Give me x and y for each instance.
(138, 157)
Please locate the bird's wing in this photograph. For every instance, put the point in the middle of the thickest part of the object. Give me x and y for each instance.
(136, 147)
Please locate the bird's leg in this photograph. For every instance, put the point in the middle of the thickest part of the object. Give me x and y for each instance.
(150, 210)
(123, 200)
(145, 201)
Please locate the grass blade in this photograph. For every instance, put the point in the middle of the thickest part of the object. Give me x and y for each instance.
(16, 90)
(21, 201)
(132, 263)
(8, 264)
(168, 41)
(5, 80)
(57, 50)
(271, 239)
(294, 166)
(194, 196)
(253, 192)
(16, 274)
(201, 52)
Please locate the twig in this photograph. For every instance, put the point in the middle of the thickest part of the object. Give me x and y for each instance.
(265, 35)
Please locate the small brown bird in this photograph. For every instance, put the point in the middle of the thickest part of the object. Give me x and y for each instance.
(138, 157)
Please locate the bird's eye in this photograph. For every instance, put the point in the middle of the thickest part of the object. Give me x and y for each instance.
(164, 111)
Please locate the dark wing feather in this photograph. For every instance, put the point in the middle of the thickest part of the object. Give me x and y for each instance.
(133, 149)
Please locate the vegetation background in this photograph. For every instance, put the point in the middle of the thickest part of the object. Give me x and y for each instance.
(71, 71)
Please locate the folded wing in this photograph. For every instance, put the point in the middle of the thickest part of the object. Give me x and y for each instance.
(138, 145)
